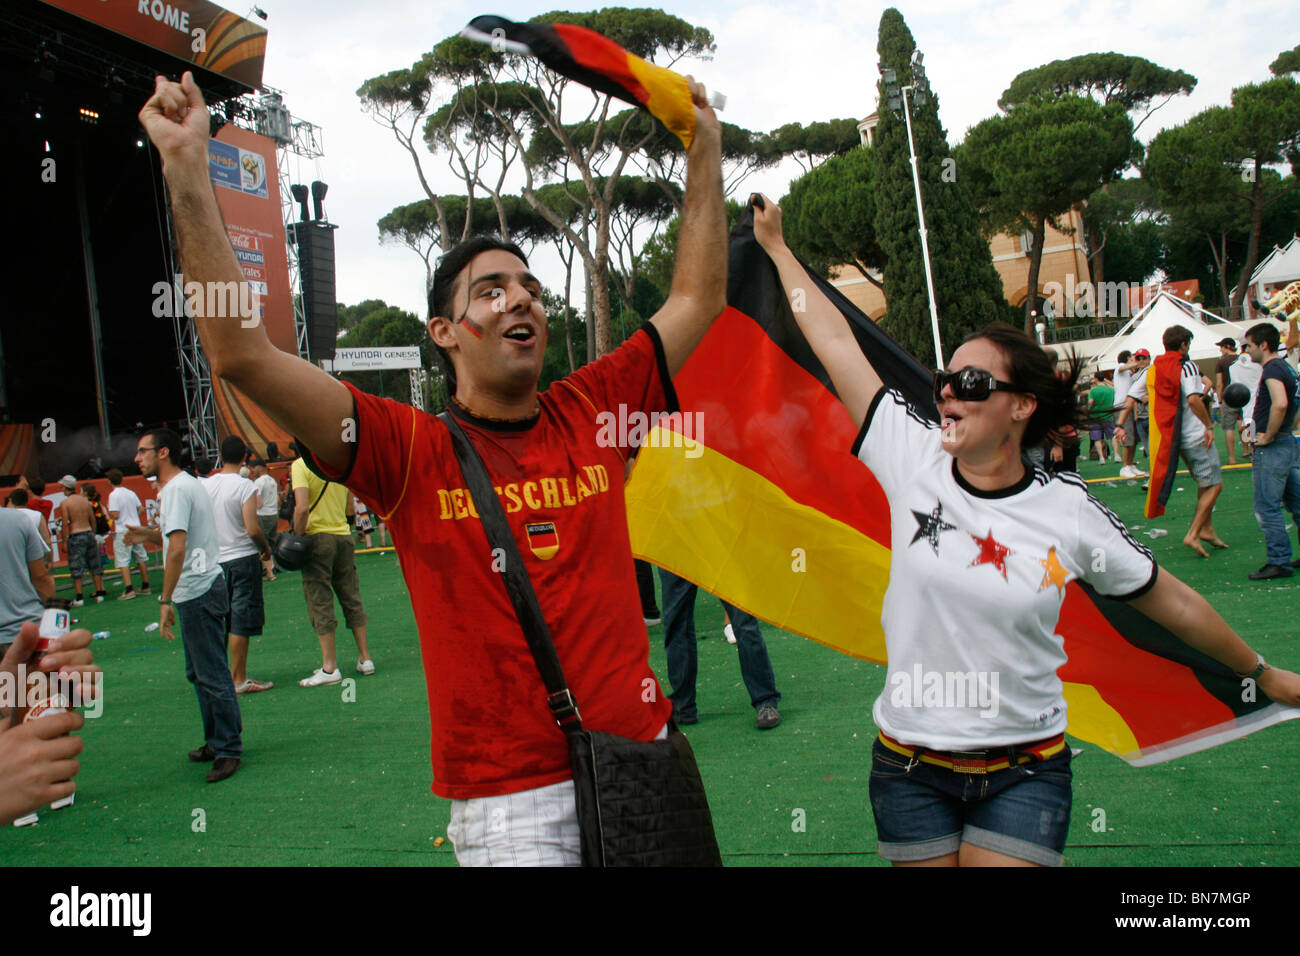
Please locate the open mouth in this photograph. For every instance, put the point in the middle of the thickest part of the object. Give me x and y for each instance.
(521, 333)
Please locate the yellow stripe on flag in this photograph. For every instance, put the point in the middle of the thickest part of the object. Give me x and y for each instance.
(730, 530)
(670, 97)
(1094, 720)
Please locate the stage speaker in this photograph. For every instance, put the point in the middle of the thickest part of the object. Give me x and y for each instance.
(315, 242)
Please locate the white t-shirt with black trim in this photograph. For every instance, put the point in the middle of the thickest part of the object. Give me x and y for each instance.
(976, 584)
(1193, 427)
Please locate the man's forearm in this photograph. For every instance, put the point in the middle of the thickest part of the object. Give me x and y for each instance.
(300, 520)
(172, 572)
(701, 264)
(230, 341)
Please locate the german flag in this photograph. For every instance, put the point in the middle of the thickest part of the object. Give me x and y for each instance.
(1164, 428)
(597, 62)
(777, 516)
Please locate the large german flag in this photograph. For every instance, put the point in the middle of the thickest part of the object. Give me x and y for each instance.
(597, 62)
(778, 517)
(1164, 428)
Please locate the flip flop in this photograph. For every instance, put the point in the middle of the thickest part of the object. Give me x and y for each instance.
(251, 686)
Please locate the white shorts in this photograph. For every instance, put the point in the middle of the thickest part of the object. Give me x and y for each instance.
(122, 552)
(536, 827)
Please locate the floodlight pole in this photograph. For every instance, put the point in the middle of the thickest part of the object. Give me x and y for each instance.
(925, 245)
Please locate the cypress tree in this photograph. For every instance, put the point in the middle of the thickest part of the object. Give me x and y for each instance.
(968, 290)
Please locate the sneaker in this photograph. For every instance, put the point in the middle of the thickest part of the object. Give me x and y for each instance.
(1270, 571)
(1139, 473)
(768, 717)
(366, 667)
(251, 686)
(321, 676)
(99, 596)
(729, 634)
(78, 602)
(126, 595)
(223, 768)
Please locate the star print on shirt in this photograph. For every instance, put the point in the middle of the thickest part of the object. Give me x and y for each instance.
(1054, 573)
(930, 526)
(992, 553)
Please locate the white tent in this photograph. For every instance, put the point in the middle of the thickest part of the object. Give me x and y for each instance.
(1281, 266)
(1146, 330)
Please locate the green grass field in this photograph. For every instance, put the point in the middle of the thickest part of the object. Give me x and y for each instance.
(328, 781)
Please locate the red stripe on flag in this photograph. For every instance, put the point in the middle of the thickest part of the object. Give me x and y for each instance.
(595, 52)
(1159, 699)
(766, 397)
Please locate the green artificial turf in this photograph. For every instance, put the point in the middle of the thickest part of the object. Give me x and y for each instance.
(328, 781)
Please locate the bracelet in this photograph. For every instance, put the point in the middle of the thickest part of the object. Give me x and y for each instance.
(165, 601)
(1260, 667)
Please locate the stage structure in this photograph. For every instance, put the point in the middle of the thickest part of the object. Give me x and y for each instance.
(93, 344)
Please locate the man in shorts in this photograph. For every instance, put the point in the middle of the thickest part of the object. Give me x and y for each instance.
(78, 521)
(268, 510)
(1229, 417)
(1101, 409)
(1131, 409)
(124, 509)
(1197, 445)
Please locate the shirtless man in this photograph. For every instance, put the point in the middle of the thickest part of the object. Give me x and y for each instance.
(83, 546)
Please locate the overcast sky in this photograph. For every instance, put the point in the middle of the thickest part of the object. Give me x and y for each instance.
(776, 63)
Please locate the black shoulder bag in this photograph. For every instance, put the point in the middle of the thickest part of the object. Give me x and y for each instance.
(639, 803)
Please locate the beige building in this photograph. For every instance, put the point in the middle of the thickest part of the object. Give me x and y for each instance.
(1064, 261)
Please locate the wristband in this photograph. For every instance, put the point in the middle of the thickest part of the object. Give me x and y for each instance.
(167, 602)
(1260, 667)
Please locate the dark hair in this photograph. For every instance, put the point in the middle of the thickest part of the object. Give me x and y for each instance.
(166, 438)
(37, 485)
(91, 492)
(1123, 356)
(1032, 372)
(443, 287)
(114, 477)
(18, 497)
(1264, 334)
(1175, 337)
(233, 450)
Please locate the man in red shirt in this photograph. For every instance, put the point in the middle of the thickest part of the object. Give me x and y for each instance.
(496, 750)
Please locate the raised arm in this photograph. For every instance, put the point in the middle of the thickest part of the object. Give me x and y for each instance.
(301, 398)
(699, 290)
(823, 325)
(1188, 616)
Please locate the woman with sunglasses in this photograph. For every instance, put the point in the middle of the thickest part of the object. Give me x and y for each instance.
(971, 767)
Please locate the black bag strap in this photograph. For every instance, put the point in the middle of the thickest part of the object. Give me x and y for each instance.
(518, 585)
(319, 496)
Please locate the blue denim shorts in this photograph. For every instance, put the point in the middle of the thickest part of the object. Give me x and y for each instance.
(244, 589)
(923, 811)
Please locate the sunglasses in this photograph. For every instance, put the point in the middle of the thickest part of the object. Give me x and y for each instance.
(969, 384)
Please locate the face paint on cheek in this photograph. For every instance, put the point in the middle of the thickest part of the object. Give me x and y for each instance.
(475, 329)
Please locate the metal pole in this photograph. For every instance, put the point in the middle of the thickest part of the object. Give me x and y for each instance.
(92, 294)
(925, 245)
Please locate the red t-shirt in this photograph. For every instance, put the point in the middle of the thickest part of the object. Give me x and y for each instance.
(44, 505)
(562, 492)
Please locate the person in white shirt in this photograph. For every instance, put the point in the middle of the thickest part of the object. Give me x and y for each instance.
(1197, 444)
(982, 550)
(18, 499)
(243, 550)
(194, 591)
(124, 508)
(1131, 411)
(268, 510)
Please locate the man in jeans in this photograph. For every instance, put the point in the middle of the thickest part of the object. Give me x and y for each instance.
(194, 590)
(1277, 460)
(243, 549)
(319, 512)
(679, 646)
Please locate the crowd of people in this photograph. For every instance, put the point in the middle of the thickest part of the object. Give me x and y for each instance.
(991, 486)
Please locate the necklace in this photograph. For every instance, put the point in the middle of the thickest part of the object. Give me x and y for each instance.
(537, 408)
